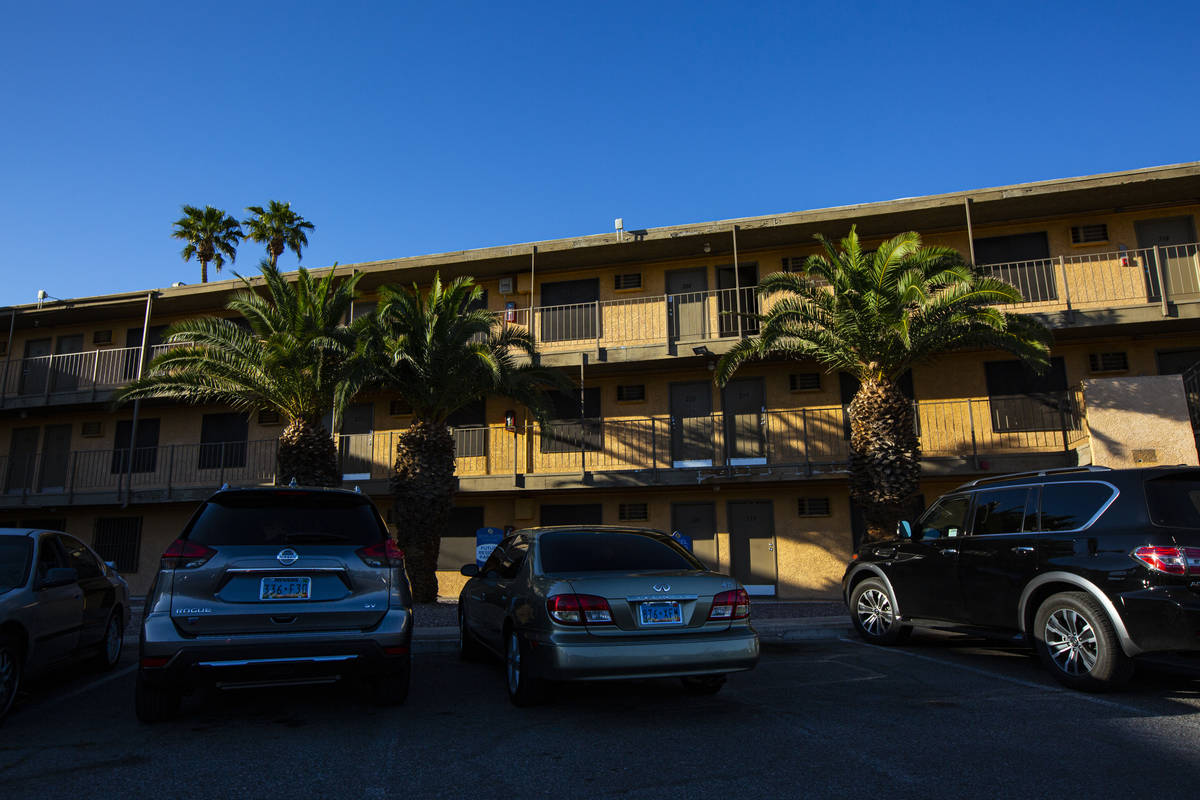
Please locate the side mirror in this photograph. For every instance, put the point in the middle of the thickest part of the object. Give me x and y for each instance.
(469, 570)
(904, 529)
(58, 576)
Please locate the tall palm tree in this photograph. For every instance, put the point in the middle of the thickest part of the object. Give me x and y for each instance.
(874, 314)
(290, 356)
(439, 354)
(278, 227)
(211, 236)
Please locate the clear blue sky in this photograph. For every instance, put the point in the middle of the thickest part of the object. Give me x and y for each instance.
(403, 129)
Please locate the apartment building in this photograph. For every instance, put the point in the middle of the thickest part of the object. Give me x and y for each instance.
(753, 473)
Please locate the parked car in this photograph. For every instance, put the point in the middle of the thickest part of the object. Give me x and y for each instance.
(58, 602)
(599, 603)
(276, 586)
(1092, 566)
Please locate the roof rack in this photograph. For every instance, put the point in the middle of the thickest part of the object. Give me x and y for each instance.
(1038, 474)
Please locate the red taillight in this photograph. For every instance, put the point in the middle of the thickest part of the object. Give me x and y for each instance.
(734, 604)
(382, 554)
(1170, 560)
(579, 609)
(182, 554)
(154, 662)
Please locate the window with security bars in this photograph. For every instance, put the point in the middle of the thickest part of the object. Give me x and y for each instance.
(804, 381)
(628, 280)
(1108, 362)
(119, 540)
(1089, 234)
(631, 393)
(814, 506)
(633, 511)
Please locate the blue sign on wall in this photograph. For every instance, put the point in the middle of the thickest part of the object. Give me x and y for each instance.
(686, 541)
(486, 540)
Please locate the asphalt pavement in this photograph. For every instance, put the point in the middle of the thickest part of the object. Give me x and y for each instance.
(823, 715)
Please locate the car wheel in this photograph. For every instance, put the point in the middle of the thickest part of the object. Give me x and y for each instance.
(523, 688)
(11, 660)
(468, 648)
(873, 616)
(110, 646)
(391, 688)
(702, 684)
(155, 703)
(1075, 638)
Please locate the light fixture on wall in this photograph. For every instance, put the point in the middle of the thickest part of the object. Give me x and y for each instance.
(707, 247)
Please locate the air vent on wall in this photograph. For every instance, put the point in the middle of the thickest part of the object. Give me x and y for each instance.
(1089, 234)
(507, 285)
(399, 408)
(804, 381)
(268, 417)
(631, 393)
(91, 429)
(630, 280)
(814, 506)
(102, 337)
(633, 511)
(1108, 362)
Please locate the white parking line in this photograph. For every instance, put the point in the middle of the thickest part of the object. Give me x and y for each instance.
(110, 677)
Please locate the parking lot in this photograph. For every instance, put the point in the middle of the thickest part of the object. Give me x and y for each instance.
(822, 716)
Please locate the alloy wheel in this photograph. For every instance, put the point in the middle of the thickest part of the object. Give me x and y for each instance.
(1071, 642)
(112, 641)
(513, 663)
(874, 612)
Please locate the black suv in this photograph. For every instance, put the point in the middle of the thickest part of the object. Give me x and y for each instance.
(1094, 565)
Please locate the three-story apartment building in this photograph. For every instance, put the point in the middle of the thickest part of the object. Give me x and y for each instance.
(753, 473)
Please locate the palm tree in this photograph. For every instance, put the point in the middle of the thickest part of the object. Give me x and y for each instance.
(211, 235)
(291, 356)
(439, 353)
(874, 314)
(278, 227)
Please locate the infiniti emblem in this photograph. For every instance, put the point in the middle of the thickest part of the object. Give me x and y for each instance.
(661, 587)
(287, 556)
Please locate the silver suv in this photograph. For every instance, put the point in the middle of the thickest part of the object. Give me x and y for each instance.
(277, 586)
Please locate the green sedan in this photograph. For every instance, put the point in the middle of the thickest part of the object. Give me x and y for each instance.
(603, 603)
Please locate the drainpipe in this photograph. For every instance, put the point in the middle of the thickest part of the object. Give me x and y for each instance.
(737, 283)
(137, 404)
(970, 233)
(533, 294)
(12, 326)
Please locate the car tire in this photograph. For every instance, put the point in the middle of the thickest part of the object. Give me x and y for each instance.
(391, 688)
(702, 684)
(1076, 640)
(524, 689)
(155, 703)
(12, 662)
(109, 653)
(871, 611)
(469, 648)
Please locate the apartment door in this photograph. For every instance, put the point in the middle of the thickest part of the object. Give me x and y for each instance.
(56, 455)
(687, 304)
(357, 440)
(691, 425)
(65, 375)
(1179, 265)
(734, 300)
(744, 408)
(35, 367)
(145, 449)
(568, 310)
(698, 522)
(22, 458)
(575, 514)
(752, 544)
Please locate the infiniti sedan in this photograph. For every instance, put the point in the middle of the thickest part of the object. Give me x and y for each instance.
(58, 602)
(601, 603)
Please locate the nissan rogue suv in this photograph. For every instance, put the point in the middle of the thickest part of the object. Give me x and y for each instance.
(276, 586)
(1092, 566)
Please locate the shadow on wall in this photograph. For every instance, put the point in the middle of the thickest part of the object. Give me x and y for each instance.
(1147, 413)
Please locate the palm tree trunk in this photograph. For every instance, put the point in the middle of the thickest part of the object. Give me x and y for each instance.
(885, 456)
(203, 271)
(423, 486)
(307, 453)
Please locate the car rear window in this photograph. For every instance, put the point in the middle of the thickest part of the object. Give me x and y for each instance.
(1174, 500)
(610, 551)
(14, 561)
(279, 518)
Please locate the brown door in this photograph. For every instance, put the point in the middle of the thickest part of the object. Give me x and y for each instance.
(357, 440)
(67, 363)
(35, 368)
(734, 301)
(687, 304)
(56, 455)
(698, 521)
(752, 544)
(1173, 240)
(22, 458)
(744, 409)
(691, 425)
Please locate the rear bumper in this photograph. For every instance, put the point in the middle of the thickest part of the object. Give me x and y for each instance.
(608, 659)
(1162, 618)
(259, 659)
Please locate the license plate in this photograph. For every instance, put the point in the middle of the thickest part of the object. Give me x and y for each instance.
(285, 588)
(666, 613)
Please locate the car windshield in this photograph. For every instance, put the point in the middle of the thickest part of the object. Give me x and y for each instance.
(279, 518)
(14, 561)
(1174, 500)
(611, 551)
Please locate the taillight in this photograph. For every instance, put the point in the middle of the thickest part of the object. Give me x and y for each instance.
(1170, 560)
(382, 554)
(182, 554)
(579, 609)
(734, 604)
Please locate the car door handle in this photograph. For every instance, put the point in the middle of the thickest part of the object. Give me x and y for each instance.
(1022, 550)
